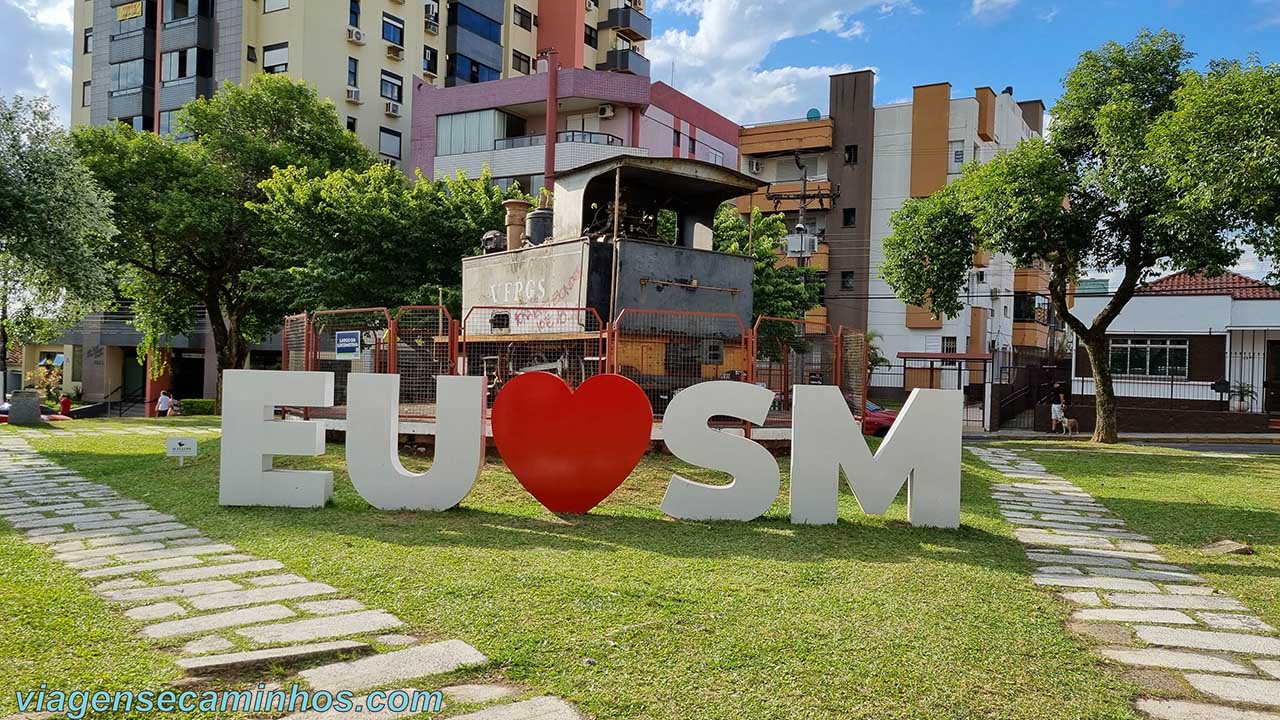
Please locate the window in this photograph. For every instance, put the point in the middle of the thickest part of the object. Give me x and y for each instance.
(392, 86)
(519, 62)
(86, 93)
(274, 5)
(850, 154)
(183, 9)
(956, 156)
(430, 60)
(133, 23)
(1030, 307)
(849, 217)
(523, 18)
(477, 131)
(252, 54)
(139, 123)
(389, 143)
(675, 139)
(482, 25)
(353, 72)
(353, 15)
(590, 37)
(167, 118)
(180, 65)
(1149, 357)
(822, 288)
(949, 346)
(693, 146)
(713, 352)
(392, 29)
(351, 123)
(848, 280)
(88, 41)
(717, 157)
(468, 70)
(275, 58)
(126, 76)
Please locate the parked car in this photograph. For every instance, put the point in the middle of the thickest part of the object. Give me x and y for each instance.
(878, 420)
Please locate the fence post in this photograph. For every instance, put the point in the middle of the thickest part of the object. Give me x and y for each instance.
(393, 341)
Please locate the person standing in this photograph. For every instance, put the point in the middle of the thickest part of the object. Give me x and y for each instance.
(1057, 408)
(164, 404)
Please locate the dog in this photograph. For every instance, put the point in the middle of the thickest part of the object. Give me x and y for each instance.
(1070, 426)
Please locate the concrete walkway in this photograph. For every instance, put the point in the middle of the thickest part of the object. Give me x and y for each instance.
(222, 612)
(1166, 625)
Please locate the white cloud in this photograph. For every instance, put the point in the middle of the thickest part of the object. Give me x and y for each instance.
(721, 62)
(991, 9)
(889, 7)
(35, 55)
(1049, 15)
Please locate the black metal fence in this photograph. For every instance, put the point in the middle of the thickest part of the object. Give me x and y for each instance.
(1239, 389)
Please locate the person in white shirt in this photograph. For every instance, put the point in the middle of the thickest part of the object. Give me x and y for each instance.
(164, 404)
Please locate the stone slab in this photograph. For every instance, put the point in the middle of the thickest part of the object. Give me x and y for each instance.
(1039, 537)
(1175, 602)
(216, 664)
(80, 535)
(157, 611)
(143, 537)
(1174, 659)
(176, 552)
(1126, 554)
(396, 640)
(1190, 590)
(121, 584)
(1098, 583)
(107, 551)
(257, 596)
(1209, 640)
(1069, 559)
(1234, 621)
(319, 628)
(1181, 710)
(133, 568)
(278, 579)
(156, 592)
(539, 708)
(1083, 597)
(393, 667)
(205, 623)
(1162, 617)
(330, 607)
(428, 703)
(1237, 689)
(131, 523)
(1270, 667)
(85, 520)
(1163, 576)
(214, 571)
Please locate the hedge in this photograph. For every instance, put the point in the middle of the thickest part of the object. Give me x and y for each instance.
(199, 407)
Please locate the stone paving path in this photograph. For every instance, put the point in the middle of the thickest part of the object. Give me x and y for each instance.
(223, 612)
(1159, 619)
(72, 429)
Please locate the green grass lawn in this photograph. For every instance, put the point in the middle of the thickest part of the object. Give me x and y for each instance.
(625, 612)
(1185, 501)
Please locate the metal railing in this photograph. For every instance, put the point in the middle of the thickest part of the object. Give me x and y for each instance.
(566, 136)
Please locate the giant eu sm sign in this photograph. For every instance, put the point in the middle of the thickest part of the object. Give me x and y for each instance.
(571, 449)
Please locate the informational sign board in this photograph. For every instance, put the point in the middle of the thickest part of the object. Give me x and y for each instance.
(129, 11)
(346, 345)
(181, 448)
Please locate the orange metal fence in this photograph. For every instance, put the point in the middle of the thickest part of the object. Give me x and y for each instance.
(424, 344)
(666, 351)
(663, 351)
(374, 326)
(501, 343)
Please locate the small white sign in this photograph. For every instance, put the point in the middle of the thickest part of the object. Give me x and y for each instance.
(180, 447)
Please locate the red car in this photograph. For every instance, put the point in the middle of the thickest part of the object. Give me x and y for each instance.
(878, 420)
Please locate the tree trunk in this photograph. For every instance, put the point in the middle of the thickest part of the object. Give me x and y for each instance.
(1105, 428)
(4, 343)
(232, 349)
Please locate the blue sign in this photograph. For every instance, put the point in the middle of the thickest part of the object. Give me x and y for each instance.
(346, 345)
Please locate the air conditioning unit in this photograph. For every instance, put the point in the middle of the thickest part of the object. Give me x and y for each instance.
(606, 111)
(353, 96)
(756, 166)
(392, 109)
(355, 36)
(395, 52)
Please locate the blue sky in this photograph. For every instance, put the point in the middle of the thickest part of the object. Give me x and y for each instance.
(774, 64)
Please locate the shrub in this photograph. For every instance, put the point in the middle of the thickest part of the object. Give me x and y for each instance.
(199, 407)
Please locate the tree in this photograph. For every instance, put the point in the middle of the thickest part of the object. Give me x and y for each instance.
(188, 236)
(1221, 147)
(53, 218)
(373, 238)
(1091, 197)
(781, 291)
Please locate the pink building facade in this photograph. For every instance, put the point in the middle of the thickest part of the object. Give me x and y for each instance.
(501, 125)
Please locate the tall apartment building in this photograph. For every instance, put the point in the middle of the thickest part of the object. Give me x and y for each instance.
(862, 162)
(139, 61)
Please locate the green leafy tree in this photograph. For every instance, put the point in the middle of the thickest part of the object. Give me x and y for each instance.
(778, 291)
(187, 234)
(374, 238)
(1220, 147)
(54, 217)
(1091, 197)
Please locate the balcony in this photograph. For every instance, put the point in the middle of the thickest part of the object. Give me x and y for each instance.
(176, 93)
(131, 103)
(131, 46)
(629, 23)
(570, 136)
(786, 137)
(194, 31)
(625, 61)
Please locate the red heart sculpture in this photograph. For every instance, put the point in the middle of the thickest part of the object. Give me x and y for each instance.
(569, 449)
